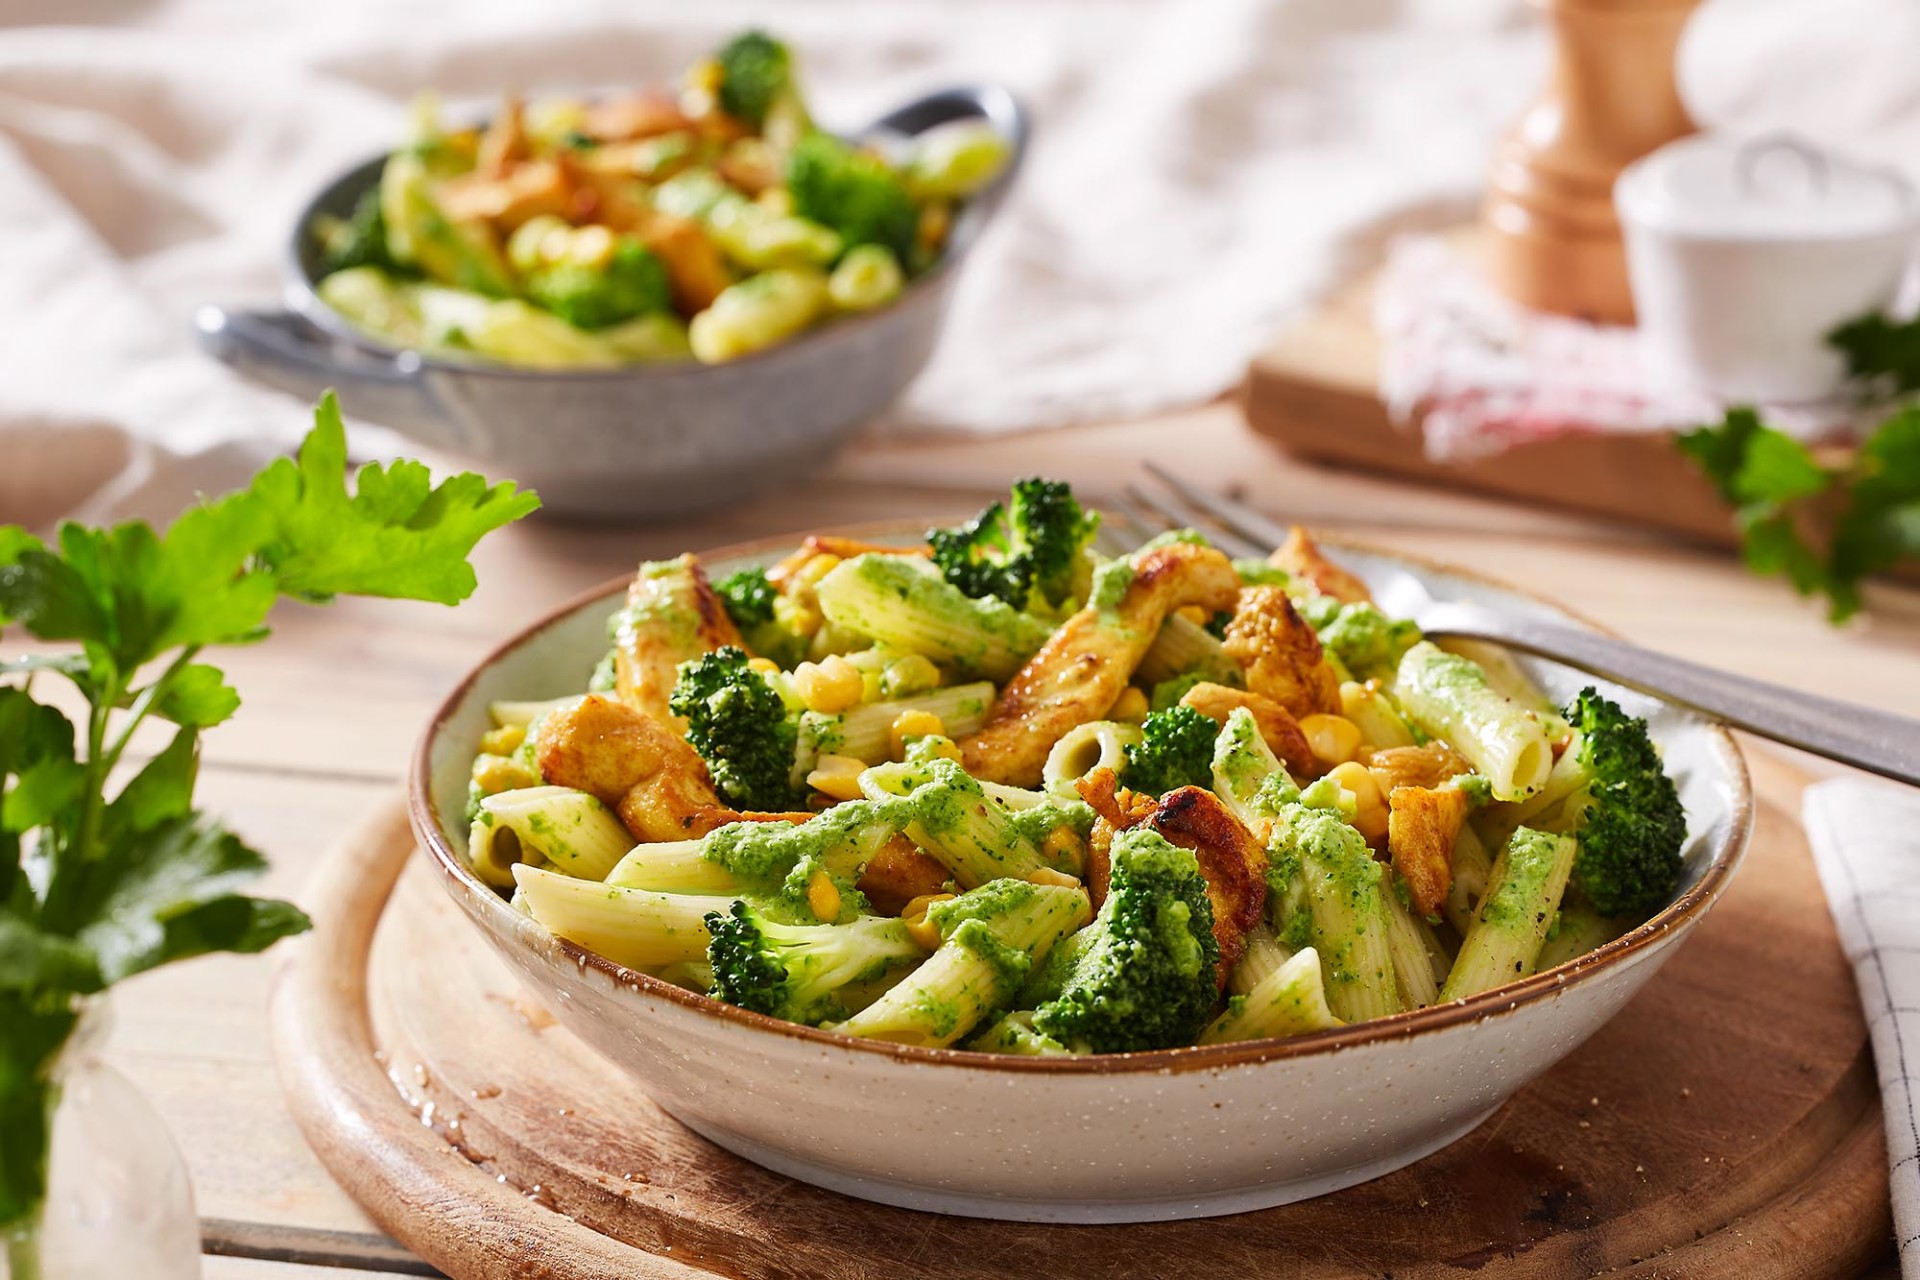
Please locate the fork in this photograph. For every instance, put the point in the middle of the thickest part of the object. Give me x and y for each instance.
(1877, 741)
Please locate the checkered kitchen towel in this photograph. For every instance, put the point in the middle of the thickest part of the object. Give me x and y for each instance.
(1866, 843)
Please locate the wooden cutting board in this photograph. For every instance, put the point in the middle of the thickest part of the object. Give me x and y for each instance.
(1316, 392)
(1726, 1124)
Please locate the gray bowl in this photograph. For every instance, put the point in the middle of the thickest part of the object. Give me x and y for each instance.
(646, 443)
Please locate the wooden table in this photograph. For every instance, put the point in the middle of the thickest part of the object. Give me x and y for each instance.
(334, 701)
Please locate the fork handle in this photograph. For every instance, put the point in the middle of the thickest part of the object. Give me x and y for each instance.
(1877, 741)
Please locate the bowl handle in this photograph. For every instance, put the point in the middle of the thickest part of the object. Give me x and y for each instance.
(283, 350)
(990, 102)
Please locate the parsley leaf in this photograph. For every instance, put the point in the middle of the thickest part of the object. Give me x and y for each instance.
(399, 535)
(1783, 497)
(95, 889)
(1883, 353)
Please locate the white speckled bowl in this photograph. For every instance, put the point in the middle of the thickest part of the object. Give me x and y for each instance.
(1122, 1138)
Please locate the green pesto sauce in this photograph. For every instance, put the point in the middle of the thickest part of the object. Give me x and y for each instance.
(1258, 573)
(1036, 824)
(768, 851)
(1008, 965)
(990, 901)
(1441, 673)
(1110, 583)
(1515, 903)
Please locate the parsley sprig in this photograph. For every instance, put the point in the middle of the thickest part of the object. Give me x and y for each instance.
(98, 882)
(1827, 527)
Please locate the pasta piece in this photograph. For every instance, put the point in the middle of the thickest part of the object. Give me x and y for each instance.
(902, 602)
(632, 927)
(759, 312)
(974, 836)
(1098, 744)
(1277, 725)
(865, 731)
(1244, 767)
(1505, 673)
(1379, 721)
(1289, 1001)
(1450, 698)
(1577, 930)
(1510, 928)
(1083, 666)
(1280, 654)
(570, 829)
(1415, 951)
(1264, 955)
(674, 866)
(1422, 826)
(991, 940)
(1183, 646)
(1472, 867)
(1301, 556)
(522, 714)
(1331, 899)
(835, 545)
(672, 615)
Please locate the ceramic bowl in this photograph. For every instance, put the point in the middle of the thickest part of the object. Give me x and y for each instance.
(1744, 255)
(640, 443)
(1136, 1137)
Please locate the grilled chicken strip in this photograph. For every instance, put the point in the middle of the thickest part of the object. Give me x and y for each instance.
(1281, 655)
(1301, 557)
(1233, 862)
(672, 616)
(1086, 664)
(1422, 825)
(638, 766)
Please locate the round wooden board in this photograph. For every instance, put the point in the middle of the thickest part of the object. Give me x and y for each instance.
(1726, 1124)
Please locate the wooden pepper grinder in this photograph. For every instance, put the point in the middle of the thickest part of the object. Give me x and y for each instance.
(1553, 242)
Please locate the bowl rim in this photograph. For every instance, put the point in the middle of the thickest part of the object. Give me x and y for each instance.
(1684, 911)
(976, 214)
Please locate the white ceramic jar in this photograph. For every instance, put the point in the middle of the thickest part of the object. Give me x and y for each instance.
(1744, 254)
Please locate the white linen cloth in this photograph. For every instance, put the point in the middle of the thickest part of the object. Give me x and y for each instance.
(1200, 168)
(1866, 843)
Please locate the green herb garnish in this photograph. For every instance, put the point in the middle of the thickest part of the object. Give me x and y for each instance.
(100, 882)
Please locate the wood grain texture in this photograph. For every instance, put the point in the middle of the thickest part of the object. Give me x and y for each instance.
(1724, 1125)
(334, 701)
(1315, 391)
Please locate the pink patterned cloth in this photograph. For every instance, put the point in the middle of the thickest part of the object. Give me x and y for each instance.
(1482, 374)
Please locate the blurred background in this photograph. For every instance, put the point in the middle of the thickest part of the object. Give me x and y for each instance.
(1199, 173)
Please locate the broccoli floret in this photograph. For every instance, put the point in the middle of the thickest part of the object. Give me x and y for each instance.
(1142, 975)
(1175, 750)
(740, 727)
(756, 70)
(1365, 640)
(1258, 573)
(1166, 694)
(360, 240)
(797, 971)
(748, 597)
(1629, 821)
(632, 283)
(1028, 553)
(855, 192)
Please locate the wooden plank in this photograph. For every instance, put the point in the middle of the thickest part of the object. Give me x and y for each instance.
(1315, 391)
(221, 1268)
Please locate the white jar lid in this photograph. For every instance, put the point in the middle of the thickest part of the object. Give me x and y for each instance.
(1775, 187)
